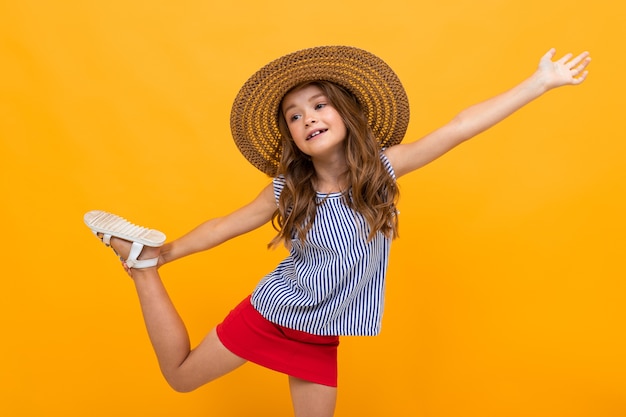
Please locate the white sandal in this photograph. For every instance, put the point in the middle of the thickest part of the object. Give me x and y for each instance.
(110, 225)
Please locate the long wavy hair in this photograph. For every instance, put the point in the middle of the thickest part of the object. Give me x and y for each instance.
(371, 190)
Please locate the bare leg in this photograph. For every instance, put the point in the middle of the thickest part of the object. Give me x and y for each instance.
(183, 368)
(312, 400)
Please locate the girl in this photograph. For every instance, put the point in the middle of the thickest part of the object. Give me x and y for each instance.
(326, 124)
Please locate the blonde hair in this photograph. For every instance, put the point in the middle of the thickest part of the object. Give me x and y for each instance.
(371, 190)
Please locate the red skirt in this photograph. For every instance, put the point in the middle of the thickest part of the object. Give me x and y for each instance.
(249, 335)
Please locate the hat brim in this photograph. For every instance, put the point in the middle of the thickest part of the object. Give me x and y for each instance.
(254, 115)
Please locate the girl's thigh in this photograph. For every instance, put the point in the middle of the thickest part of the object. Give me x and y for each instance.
(312, 400)
(208, 361)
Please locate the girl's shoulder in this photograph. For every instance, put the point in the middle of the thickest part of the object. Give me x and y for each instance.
(279, 180)
(387, 163)
(278, 183)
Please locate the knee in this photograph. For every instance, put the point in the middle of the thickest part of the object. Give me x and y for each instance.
(182, 388)
(181, 385)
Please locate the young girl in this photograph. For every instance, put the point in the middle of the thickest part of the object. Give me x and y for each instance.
(326, 124)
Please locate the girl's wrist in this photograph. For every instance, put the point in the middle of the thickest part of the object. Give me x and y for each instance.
(537, 84)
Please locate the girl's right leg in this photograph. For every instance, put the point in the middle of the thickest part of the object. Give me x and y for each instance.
(183, 368)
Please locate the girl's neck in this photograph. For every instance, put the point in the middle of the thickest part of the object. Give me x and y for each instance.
(330, 177)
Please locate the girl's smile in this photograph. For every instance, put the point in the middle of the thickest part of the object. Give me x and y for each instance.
(316, 133)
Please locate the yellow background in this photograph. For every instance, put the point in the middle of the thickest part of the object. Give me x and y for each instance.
(505, 291)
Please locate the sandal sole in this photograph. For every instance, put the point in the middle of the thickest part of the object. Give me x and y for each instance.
(116, 226)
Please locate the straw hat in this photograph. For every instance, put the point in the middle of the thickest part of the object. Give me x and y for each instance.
(253, 118)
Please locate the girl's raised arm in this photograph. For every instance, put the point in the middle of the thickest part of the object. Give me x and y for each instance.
(218, 230)
(479, 117)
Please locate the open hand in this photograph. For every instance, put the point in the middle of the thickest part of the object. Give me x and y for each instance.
(565, 71)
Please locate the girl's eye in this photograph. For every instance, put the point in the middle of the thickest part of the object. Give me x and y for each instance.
(320, 106)
(295, 117)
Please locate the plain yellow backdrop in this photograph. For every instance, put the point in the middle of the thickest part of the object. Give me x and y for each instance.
(505, 290)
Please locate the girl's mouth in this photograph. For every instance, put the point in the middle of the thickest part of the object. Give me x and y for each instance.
(316, 133)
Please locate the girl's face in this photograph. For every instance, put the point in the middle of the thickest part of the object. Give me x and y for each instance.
(315, 125)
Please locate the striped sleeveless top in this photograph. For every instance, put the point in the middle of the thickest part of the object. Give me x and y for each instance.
(334, 282)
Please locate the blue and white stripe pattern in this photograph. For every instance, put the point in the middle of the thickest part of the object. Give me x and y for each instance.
(334, 282)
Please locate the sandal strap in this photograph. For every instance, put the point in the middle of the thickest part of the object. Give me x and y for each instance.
(105, 238)
(144, 263)
(133, 262)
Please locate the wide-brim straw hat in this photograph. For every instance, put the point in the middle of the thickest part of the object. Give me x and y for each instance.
(254, 115)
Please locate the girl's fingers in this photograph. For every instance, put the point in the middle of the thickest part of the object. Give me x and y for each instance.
(550, 54)
(580, 79)
(578, 59)
(563, 61)
(581, 67)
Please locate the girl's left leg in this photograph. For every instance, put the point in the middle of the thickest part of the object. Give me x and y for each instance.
(185, 369)
(312, 400)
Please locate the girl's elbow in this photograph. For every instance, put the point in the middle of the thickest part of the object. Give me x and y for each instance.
(461, 129)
